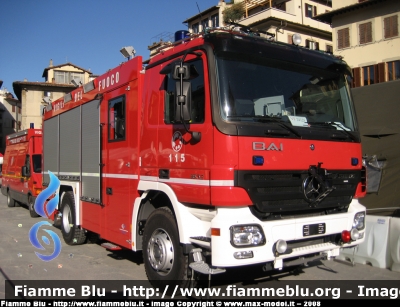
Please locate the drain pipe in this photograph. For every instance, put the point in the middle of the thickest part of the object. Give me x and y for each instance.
(301, 11)
(280, 28)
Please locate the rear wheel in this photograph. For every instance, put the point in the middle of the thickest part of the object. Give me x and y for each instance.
(31, 205)
(72, 234)
(164, 261)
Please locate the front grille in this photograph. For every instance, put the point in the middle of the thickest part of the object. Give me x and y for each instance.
(281, 192)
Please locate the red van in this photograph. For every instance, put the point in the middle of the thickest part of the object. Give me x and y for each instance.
(22, 168)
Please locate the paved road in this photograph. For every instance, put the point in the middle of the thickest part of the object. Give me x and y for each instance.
(92, 262)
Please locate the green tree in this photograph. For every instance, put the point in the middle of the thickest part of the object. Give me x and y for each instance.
(234, 13)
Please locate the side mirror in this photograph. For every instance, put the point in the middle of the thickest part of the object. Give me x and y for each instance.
(120, 128)
(24, 172)
(183, 101)
(181, 71)
(176, 70)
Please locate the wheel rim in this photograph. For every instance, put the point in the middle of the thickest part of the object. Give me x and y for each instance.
(8, 198)
(160, 252)
(66, 218)
(31, 204)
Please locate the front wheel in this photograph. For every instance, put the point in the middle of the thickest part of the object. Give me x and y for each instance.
(72, 234)
(31, 205)
(163, 257)
(10, 200)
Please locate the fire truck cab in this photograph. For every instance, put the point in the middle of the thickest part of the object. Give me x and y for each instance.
(226, 149)
(22, 172)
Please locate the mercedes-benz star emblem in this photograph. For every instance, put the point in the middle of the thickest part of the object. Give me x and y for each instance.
(315, 186)
(311, 188)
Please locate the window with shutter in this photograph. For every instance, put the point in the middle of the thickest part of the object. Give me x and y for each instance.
(391, 27)
(215, 20)
(381, 72)
(204, 24)
(369, 75)
(310, 10)
(393, 70)
(343, 38)
(195, 28)
(312, 44)
(356, 77)
(365, 30)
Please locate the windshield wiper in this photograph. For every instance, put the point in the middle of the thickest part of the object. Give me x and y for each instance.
(279, 121)
(267, 118)
(282, 124)
(335, 126)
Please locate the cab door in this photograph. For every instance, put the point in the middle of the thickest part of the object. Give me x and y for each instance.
(184, 161)
(117, 168)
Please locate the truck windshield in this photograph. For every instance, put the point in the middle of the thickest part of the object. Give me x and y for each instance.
(257, 89)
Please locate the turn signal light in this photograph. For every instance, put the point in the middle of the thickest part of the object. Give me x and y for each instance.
(216, 232)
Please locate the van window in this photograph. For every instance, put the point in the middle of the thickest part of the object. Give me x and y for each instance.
(37, 163)
(28, 165)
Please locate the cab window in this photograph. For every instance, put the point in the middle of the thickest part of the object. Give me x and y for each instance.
(116, 119)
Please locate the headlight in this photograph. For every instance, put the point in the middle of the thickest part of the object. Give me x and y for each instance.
(359, 221)
(247, 235)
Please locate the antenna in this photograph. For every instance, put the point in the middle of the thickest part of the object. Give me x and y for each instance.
(199, 11)
(201, 17)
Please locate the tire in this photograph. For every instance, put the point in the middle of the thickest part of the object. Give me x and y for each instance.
(10, 200)
(164, 261)
(72, 234)
(31, 206)
(92, 238)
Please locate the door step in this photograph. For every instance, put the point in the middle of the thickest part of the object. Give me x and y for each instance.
(111, 247)
(200, 266)
(204, 268)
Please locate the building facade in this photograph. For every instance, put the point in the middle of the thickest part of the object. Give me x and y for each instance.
(283, 18)
(10, 116)
(366, 35)
(59, 80)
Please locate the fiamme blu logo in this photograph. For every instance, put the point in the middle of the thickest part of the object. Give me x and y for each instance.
(46, 209)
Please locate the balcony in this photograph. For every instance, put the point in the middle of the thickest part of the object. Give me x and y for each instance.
(263, 15)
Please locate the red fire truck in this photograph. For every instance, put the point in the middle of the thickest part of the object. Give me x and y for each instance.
(225, 149)
(22, 172)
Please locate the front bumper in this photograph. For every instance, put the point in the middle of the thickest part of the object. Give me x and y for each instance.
(290, 230)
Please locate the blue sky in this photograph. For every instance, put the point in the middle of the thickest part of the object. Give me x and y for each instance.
(86, 33)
